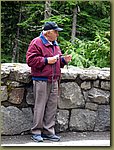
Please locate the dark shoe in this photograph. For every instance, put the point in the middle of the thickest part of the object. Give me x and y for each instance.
(52, 137)
(37, 138)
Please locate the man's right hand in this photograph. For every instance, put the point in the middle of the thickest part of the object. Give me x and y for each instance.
(51, 60)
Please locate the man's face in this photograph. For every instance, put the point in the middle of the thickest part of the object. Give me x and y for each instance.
(52, 35)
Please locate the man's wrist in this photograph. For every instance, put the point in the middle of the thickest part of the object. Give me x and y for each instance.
(63, 60)
(46, 61)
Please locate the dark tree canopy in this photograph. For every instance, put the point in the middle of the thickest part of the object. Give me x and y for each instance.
(86, 33)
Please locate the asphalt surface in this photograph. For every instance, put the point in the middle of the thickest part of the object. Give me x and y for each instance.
(67, 139)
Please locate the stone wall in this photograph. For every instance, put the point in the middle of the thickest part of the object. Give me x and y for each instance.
(84, 103)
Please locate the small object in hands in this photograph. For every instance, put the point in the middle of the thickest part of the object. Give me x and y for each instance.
(57, 56)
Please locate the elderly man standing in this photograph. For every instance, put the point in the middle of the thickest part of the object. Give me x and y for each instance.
(45, 59)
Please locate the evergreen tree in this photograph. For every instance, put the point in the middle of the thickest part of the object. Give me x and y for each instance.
(86, 35)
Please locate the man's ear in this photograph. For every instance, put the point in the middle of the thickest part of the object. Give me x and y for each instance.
(47, 33)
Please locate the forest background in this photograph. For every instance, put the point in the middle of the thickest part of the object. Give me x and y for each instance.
(86, 33)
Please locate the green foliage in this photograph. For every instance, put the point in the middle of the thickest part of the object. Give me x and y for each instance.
(92, 43)
(89, 53)
(32, 13)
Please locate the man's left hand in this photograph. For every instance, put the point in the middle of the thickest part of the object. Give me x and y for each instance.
(68, 58)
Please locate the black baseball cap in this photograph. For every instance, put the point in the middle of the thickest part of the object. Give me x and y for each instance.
(51, 26)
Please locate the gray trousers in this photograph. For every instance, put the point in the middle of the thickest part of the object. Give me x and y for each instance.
(45, 107)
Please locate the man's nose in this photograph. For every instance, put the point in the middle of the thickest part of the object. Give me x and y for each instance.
(57, 34)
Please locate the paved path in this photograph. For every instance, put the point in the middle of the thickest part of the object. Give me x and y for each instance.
(67, 139)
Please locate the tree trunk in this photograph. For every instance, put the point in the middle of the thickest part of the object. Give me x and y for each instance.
(15, 56)
(14, 52)
(73, 35)
(18, 32)
(47, 12)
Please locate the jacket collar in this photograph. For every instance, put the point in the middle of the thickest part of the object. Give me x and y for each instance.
(46, 42)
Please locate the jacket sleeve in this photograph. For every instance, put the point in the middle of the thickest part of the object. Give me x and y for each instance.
(34, 56)
(62, 62)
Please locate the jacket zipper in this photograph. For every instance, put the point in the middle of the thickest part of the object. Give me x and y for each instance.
(53, 69)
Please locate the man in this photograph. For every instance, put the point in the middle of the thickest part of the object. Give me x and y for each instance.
(45, 59)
